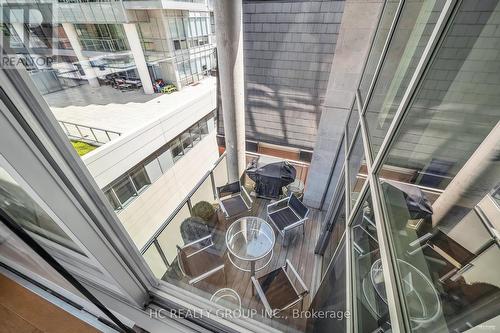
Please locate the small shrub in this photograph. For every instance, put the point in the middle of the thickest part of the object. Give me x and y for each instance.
(203, 210)
(193, 228)
(82, 148)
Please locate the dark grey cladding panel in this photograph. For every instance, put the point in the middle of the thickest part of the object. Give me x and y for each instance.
(289, 48)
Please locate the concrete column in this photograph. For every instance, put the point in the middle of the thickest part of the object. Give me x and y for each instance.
(140, 61)
(89, 71)
(476, 178)
(359, 23)
(169, 72)
(229, 32)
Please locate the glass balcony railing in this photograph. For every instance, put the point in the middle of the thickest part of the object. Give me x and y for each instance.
(104, 45)
(160, 251)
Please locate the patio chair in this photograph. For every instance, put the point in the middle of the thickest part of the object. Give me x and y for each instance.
(277, 291)
(233, 199)
(287, 214)
(199, 260)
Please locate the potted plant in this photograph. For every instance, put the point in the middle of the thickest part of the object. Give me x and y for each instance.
(206, 212)
(193, 228)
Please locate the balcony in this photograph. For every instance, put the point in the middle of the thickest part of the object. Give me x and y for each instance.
(104, 45)
(162, 255)
(191, 5)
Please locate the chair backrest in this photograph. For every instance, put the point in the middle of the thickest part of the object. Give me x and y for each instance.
(191, 249)
(297, 206)
(229, 189)
(182, 261)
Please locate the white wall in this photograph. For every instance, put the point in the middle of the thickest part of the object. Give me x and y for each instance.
(143, 216)
(112, 160)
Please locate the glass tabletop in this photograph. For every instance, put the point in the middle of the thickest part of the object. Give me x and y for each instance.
(250, 238)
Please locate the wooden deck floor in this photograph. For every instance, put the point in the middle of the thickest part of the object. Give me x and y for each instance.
(299, 251)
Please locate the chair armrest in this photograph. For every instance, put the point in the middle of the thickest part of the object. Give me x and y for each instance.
(199, 241)
(296, 224)
(206, 274)
(272, 207)
(288, 264)
(262, 296)
(419, 240)
(210, 244)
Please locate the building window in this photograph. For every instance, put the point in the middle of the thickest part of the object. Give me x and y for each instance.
(140, 179)
(124, 190)
(176, 149)
(157, 164)
(153, 169)
(113, 200)
(166, 159)
(187, 141)
(371, 300)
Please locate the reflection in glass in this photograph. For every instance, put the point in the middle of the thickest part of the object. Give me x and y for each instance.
(370, 303)
(155, 261)
(28, 214)
(113, 200)
(124, 190)
(140, 178)
(336, 232)
(455, 109)
(352, 124)
(413, 30)
(450, 142)
(331, 296)
(176, 150)
(381, 35)
(14, 251)
(357, 169)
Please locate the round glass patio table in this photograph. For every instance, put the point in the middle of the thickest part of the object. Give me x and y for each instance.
(250, 239)
(224, 295)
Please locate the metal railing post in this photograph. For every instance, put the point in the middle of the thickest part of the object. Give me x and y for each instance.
(160, 251)
(92, 131)
(79, 131)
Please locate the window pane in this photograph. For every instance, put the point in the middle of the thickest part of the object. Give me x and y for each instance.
(153, 170)
(28, 214)
(384, 25)
(331, 298)
(155, 261)
(337, 176)
(204, 127)
(220, 173)
(356, 168)
(124, 190)
(187, 141)
(336, 231)
(176, 150)
(204, 193)
(170, 237)
(456, 107)
(352, 123)
(413, 30)
(370, 303)
(439, 177)
(112, 200)
(195, 133)
(166, 160)
(140, 178)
